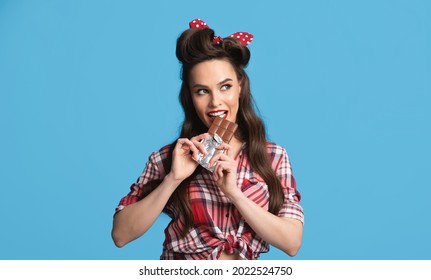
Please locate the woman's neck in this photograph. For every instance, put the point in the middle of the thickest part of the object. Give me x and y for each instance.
(236, 146)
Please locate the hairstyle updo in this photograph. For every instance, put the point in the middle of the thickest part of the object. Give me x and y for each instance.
(196, 45)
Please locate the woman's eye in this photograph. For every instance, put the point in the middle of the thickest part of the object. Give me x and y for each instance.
(226, 87)
(201, 91)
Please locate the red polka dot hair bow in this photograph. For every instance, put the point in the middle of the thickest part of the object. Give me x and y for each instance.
(245, 38)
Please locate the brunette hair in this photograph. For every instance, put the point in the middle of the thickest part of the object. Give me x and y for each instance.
(195, 46)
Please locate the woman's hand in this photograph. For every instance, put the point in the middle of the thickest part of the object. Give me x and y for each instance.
(185, 155)
(225, 170)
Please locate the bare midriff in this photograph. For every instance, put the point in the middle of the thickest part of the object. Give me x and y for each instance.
(226, 256)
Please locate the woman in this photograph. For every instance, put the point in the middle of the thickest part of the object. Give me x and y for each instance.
(249, 201)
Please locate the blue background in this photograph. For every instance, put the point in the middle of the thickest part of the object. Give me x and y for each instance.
(88, 89)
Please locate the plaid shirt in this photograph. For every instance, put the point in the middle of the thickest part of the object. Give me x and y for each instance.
(218, 225)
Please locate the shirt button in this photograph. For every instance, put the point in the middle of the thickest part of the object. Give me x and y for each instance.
(227, 215)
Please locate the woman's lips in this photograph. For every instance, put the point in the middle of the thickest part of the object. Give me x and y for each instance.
(214, 114)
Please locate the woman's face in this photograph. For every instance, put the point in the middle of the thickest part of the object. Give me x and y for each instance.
(215, 90)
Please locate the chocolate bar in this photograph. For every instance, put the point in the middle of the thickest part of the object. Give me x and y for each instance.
(223, 128)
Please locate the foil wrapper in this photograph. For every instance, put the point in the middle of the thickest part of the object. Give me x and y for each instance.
(210, 144)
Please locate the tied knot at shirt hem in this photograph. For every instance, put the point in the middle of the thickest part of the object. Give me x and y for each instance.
(232, 245)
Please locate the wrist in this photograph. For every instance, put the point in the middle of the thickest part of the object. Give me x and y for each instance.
(172, 181)
(235, 195)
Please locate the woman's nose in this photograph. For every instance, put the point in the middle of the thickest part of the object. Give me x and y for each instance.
(215, 99)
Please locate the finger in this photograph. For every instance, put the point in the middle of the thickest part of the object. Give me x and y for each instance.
(219, 170)
(186, 144)
(221, 157)
(217, 158)
(226, 147)
(195, 151)
(213, 160)
(180, 143)
(199, 146)
(215, 174)
(197, 140)
(223, 167)
(229, 152)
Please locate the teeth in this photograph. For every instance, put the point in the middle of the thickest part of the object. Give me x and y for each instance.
(216, 114)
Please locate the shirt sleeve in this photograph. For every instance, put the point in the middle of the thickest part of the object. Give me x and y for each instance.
(151, 172)
(291, 207)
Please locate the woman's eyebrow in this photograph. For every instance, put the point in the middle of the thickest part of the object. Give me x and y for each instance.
(225, 80)
(220, 83)
(198, 85)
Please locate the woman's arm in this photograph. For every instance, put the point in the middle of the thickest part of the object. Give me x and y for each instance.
(282, 232)
(135, 219)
